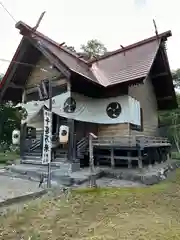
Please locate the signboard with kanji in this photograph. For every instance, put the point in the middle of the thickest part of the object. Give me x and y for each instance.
(47, 138)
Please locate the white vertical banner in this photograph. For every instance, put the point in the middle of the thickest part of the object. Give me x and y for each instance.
(47, 137)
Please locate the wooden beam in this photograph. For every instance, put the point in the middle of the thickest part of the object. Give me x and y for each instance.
(24, 97)
(159, 75)
(59, 82)
(57, 63)
(13, 85)
(165, 98)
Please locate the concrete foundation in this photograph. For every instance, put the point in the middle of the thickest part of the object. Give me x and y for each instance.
(148, 176)
(71, 174)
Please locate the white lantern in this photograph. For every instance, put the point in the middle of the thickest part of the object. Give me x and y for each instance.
(16, 137)
(63, 134)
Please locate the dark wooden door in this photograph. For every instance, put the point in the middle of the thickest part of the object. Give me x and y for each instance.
(82, 129)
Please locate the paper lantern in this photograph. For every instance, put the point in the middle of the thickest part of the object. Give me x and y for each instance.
(16, 137)
(63, 134)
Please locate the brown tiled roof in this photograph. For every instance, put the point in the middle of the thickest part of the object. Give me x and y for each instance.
(74, 64)
(69, 58)
(123, 65)
(129, 65)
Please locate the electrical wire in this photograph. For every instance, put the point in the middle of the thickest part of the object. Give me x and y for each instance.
(16, 62)
(6, 10)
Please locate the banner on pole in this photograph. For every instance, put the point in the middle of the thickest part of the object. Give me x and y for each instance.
(47, 137)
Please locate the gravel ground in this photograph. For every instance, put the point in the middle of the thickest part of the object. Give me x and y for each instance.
(111, 182)
(13, 187)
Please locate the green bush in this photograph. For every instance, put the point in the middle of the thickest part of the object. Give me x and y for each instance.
(175, 155)
(8, 156)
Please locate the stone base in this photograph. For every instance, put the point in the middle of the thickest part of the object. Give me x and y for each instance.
(74, 167)
(148, 176)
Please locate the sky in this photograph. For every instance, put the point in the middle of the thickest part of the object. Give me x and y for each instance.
(113, 22)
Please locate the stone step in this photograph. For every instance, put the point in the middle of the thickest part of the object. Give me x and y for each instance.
(39, 162)
(58, 152)
(38, 154)
(61, 157)
(35, 157)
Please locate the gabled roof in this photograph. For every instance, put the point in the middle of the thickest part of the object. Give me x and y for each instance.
(127, 64)
(123, 65)
(72, 60)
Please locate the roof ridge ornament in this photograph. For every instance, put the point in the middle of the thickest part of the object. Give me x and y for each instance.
(156, 30)
(39, 21)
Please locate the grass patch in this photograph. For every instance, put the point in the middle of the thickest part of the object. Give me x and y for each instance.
(147, 213)
(9, 156)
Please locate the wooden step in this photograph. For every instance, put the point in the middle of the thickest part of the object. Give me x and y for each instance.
(39, 162)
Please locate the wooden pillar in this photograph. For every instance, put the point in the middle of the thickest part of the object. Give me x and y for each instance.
(71, 140)
(168, 155)
(112, 158)
(92, 177)
(71, 131)
(57, 124)
(23, 129)
(139, 149)
(129, 159)
(22, 140)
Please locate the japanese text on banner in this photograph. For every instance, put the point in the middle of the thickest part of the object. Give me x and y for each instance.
(47, 137)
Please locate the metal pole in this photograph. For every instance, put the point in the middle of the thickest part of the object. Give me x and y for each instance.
(50, 110)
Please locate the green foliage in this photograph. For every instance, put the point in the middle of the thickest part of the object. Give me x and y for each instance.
(172, 118)
(1, 77)
(10, 119)
(8, 157)
(94, 48)
(176, 77)
(175, 155)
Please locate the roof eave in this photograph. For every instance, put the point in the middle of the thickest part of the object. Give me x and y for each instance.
(162, 36)
(25, 28)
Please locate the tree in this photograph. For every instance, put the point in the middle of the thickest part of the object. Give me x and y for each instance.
(176, 78)
(171, 119)
(10, 119)
(93, 48)
(1, 76)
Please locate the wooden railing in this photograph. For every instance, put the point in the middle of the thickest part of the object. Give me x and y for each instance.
(81, 146)
(35, 145)
(131, 141)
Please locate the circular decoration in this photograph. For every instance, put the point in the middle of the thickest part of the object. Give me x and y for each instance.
(69, 105)
(64, 133)
(113, 110)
